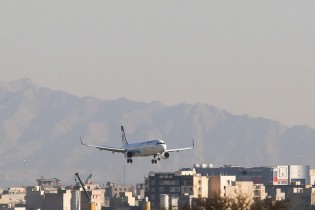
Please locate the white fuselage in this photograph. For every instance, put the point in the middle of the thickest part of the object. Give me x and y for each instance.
(146, 148)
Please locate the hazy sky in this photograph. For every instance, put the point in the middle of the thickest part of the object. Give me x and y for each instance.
(253, 57)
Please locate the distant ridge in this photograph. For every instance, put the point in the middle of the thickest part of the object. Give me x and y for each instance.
(43, 126)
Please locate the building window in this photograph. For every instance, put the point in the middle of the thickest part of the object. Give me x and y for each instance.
(174, 189)
(169, 182)
(153, 182)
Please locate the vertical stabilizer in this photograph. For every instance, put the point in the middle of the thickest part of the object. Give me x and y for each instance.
(123, 136)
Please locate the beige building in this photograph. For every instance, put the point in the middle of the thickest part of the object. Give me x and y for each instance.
(12, 196)
(199, 186)
(243, 188)
(228, 187)
(129, 197)
(312, 176)
(114, 189)
(140, 190)
(221, 185)
(259, 192)
(97, 197)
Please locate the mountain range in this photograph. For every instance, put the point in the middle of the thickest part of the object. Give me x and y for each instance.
(40, 132)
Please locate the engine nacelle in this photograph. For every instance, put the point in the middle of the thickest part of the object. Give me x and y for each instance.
(129, 154)
(165, 155)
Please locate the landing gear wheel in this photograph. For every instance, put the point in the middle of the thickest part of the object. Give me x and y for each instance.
(154, 161)
(129, 160)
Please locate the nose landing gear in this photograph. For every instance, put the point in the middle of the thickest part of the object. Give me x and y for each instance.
(129, 160)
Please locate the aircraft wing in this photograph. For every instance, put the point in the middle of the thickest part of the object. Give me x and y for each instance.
(112, 149)
(181, 149)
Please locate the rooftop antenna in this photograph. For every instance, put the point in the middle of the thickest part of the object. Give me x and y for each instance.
(24, 166)
(299, 158)
(124, 175)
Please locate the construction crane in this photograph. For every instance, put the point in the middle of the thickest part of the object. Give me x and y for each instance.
(91, 205)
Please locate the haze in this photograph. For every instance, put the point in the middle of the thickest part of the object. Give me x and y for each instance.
(253, 57)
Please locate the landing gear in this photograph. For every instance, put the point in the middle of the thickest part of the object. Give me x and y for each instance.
(129, 160)
(154, 161)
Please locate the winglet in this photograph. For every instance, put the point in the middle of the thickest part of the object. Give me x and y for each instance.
(82, 141)
(193, 142)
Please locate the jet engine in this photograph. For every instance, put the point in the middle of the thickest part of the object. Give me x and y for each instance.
(129, 154)
(165, 155)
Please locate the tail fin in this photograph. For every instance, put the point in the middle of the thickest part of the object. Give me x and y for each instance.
(123, 136)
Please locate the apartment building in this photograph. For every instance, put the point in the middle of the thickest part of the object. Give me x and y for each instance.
(312, 176)
(114, 189)
(119, 195)
(291, 175)
(228, 187)
(38, 198)
(13, 196)
(61, 198)
(174, 185)
(48, 183)
(221, 186)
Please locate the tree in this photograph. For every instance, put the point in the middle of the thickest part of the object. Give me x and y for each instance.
(239, 202)
(269, 204)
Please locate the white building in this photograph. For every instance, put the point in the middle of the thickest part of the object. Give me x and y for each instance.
(291, 175)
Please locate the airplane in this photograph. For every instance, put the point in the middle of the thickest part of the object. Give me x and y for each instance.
(156, 148)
